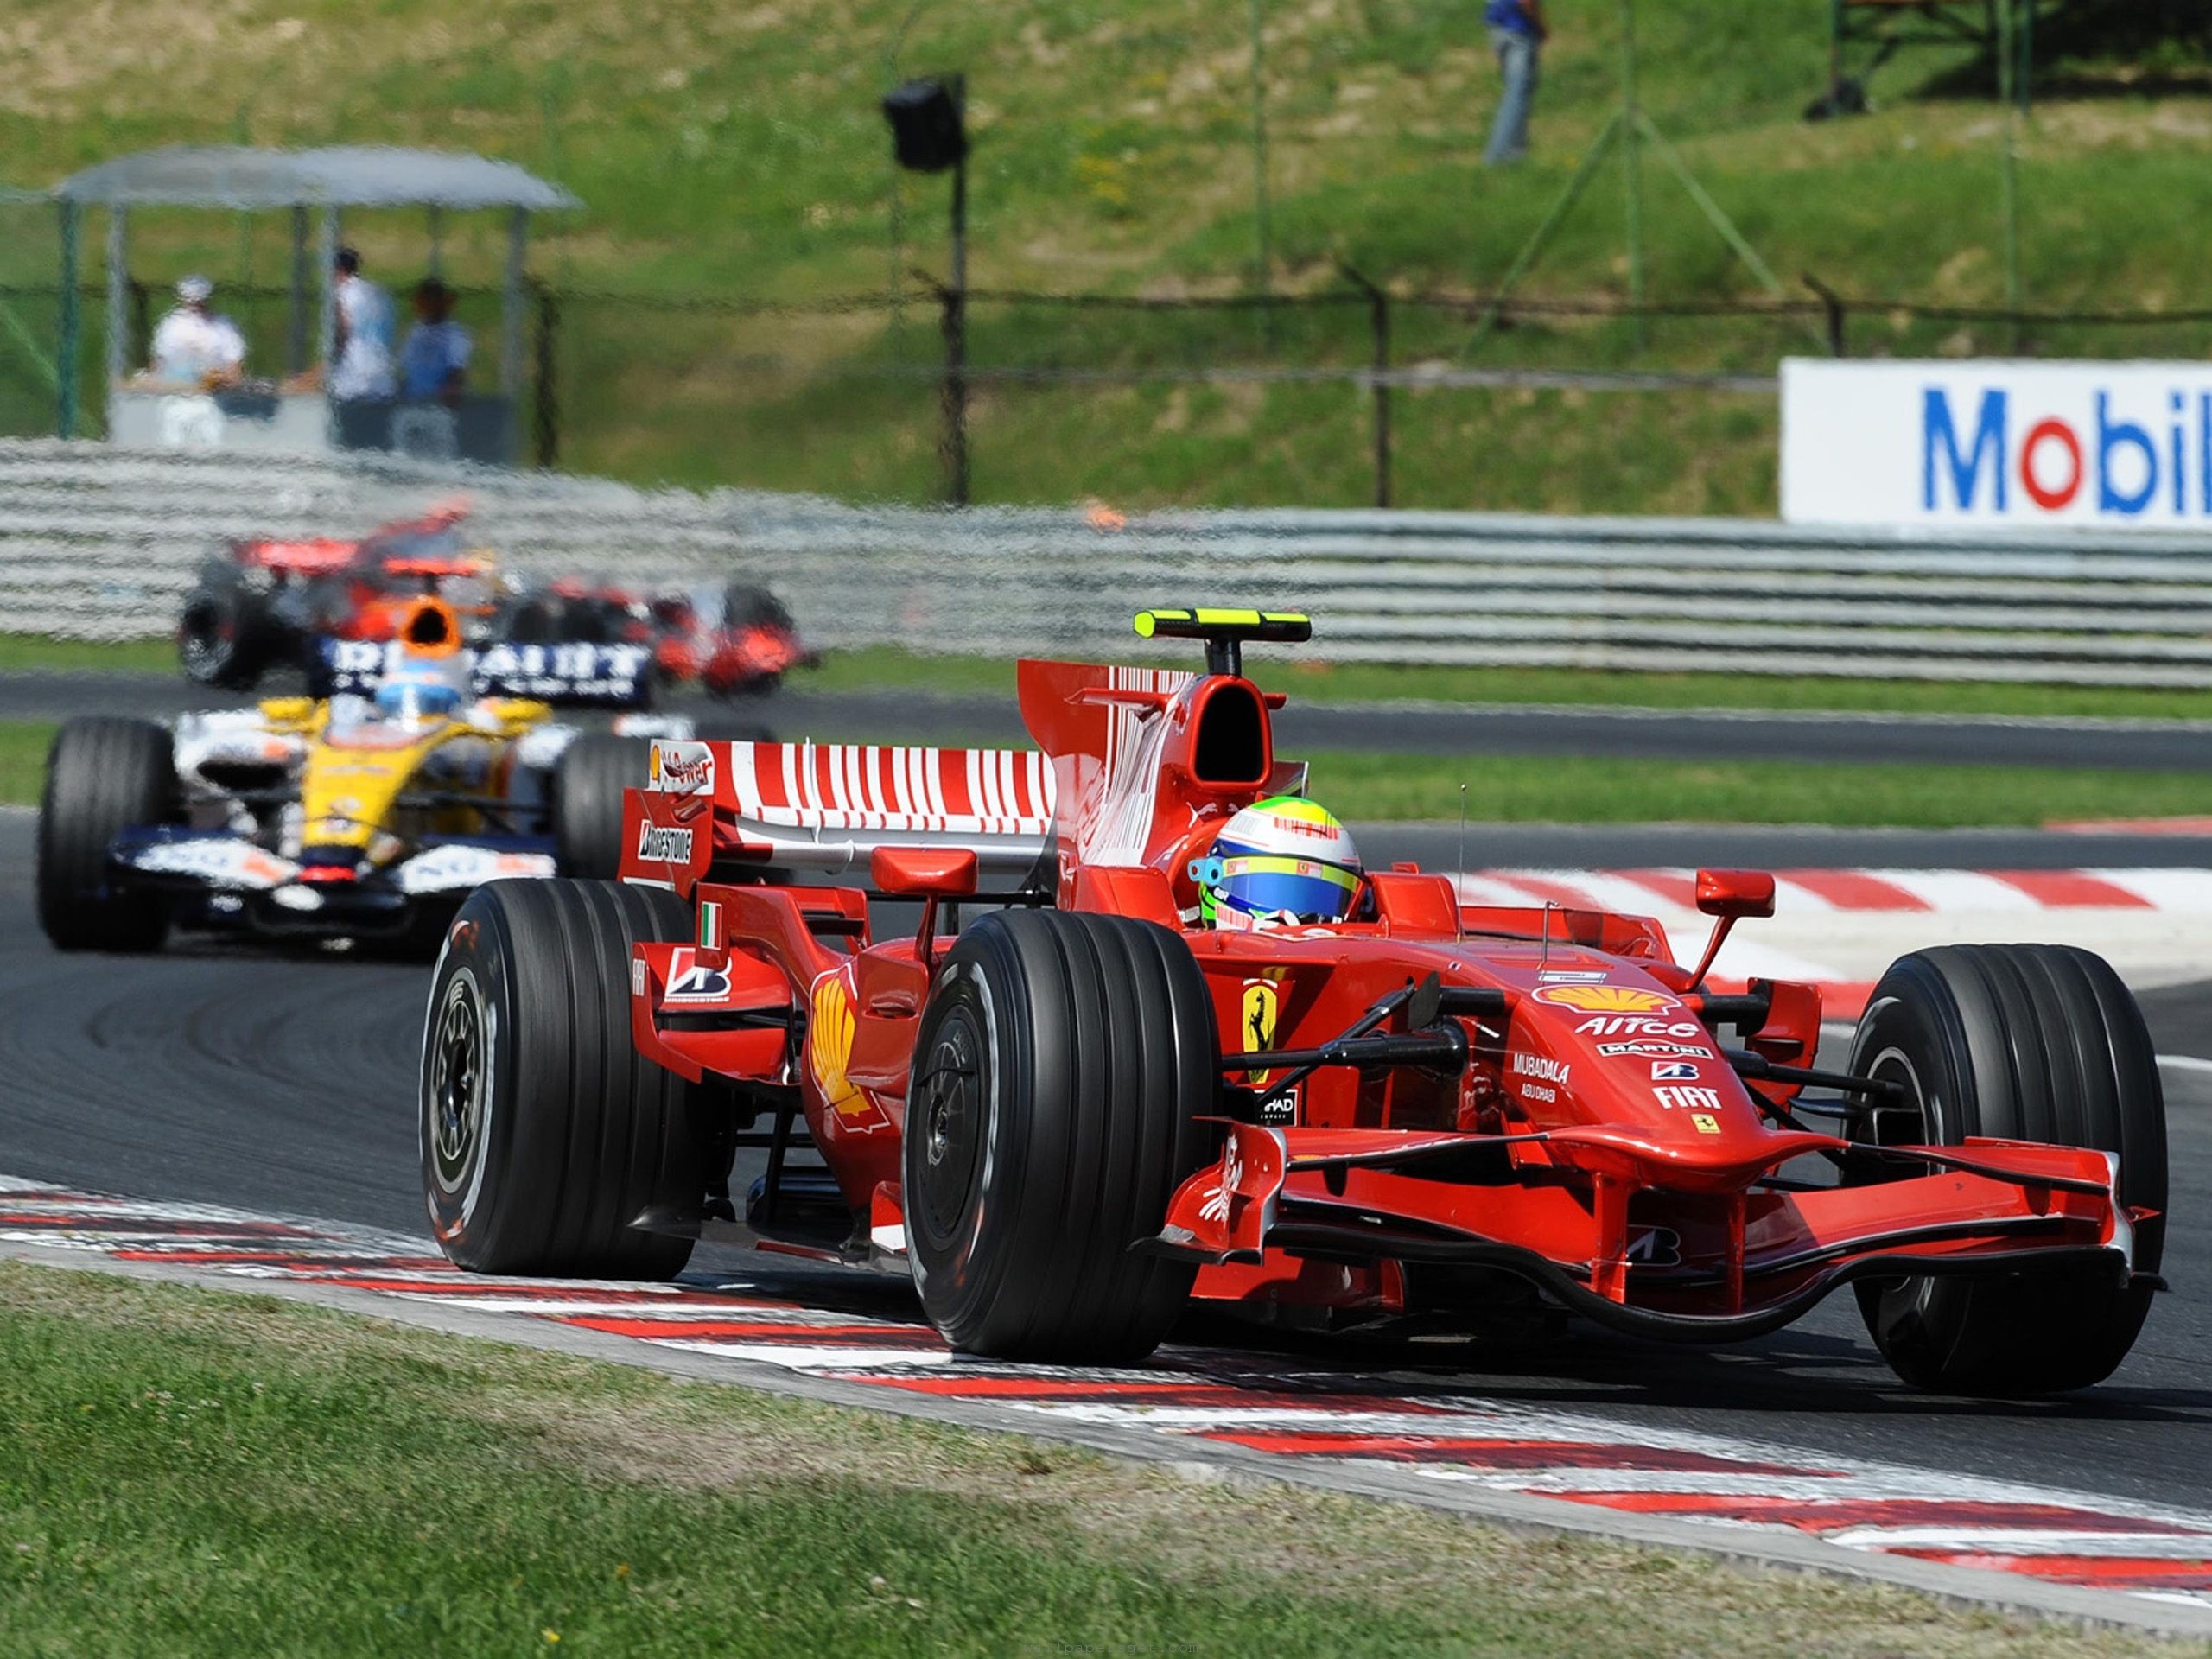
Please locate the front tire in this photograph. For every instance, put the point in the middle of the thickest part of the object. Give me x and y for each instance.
(1062, 1064)
(543, 1133)
(225, 636)
(103, 775)
(2030, 1042)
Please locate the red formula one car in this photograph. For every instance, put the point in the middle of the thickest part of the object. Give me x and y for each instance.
(1078, 1111)
(261, 605)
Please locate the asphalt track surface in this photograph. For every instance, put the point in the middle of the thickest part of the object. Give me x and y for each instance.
(285, 1083)
(1405, 728)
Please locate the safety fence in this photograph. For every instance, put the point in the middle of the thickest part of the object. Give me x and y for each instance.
(1358, 391)
(99, 544)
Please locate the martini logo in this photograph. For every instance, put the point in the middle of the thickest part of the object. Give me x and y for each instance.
(1657, 1048)
(658, 844)
(1607, 998)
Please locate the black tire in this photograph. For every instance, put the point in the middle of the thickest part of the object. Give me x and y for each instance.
(587, 785)
(2032, 1042)
(542, 1132)
(1062, 1064)
(225, 636)
(103, 775)
(747, 605)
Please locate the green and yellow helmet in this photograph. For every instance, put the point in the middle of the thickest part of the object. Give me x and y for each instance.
(1283, 862)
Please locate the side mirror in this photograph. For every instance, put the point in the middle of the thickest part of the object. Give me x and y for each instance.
(923, 872)
(1735, 893)
(932, 875)
(1731, 895)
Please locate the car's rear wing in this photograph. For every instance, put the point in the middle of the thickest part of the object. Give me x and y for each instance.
(826, 807)
(567, 674)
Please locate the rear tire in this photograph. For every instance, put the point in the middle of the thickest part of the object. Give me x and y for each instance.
(103, 775)
(1062, 1064)
(2030, 1042)
(225, 636)
(587, 785)
(543, 1133)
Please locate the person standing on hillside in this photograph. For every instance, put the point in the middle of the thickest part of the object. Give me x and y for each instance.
(1517, 35)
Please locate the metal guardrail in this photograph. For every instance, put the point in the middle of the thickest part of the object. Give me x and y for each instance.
(100, 544)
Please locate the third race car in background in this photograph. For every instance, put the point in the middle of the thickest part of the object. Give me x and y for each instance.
(260, 606)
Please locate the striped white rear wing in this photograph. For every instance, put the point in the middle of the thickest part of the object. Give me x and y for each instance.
(825, 806)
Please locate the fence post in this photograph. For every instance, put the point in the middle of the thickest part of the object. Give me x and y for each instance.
(65, 349)
(952, 442)
(1832, 303)
(1378, 319)
(545, 395)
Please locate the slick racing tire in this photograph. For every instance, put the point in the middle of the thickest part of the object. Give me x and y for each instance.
(2030, 1042)
(587, 785)
(103, 777)
(1062, 1067)
(543, 1133)
(225, 636)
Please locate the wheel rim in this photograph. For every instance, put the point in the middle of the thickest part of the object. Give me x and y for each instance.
(459, 1076)
(947, 1123)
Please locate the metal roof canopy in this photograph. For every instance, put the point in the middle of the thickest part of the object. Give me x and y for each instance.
(350, 175)
(239, 179)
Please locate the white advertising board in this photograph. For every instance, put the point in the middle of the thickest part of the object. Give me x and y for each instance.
(2019, 446)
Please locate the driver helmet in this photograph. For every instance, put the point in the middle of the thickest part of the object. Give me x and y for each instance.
(1282, 863)
(418, 689)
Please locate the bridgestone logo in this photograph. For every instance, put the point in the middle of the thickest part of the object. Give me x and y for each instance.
(662, 846)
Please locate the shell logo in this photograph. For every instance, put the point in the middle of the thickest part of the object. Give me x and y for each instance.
(830, 1045)
(1607, 998)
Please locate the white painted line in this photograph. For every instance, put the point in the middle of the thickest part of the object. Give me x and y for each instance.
(2029, 1541)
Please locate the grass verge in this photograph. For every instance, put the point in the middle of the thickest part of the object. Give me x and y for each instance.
(212, 1474)
(22, 761)
(892, 668)
(1572, 789)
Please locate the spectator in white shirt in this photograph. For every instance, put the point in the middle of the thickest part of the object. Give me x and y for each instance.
(195, 347)
(361, 356)
(434, 363)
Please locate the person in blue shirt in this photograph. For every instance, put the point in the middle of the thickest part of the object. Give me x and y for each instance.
(1517, 32)
(434, 363)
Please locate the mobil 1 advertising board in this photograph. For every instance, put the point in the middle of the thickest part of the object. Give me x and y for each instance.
(1997, 445)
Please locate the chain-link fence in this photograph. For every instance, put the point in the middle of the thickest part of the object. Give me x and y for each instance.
(1359, 392)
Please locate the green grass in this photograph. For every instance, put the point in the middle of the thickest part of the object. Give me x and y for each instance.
(37, 653)
(1520, 789)
(1313, 681)
(1570, 789)
(738, 153)
(193, 1473)
(22, 761)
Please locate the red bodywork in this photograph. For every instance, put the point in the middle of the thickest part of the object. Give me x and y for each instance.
(1598, 1142)
(369, 585)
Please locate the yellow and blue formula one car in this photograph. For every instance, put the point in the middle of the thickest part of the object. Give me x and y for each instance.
(369, 813)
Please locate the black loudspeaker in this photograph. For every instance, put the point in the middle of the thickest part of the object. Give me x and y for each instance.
(925, 129)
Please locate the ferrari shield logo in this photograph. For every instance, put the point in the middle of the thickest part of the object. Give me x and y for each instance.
(1262, 1007)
